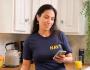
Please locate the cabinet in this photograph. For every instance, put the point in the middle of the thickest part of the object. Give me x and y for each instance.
(70, 20)
(15, 16)
(38, 3)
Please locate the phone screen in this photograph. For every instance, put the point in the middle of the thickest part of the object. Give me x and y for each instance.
(60, 53)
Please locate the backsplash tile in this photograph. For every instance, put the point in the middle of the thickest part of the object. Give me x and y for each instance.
(77, 42)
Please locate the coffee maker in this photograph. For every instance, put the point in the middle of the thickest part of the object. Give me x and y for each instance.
(21, 50)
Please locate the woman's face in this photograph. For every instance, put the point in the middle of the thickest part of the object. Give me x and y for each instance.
(46, 20)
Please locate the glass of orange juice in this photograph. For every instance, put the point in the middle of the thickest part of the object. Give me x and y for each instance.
(78, 65)
(1, 60)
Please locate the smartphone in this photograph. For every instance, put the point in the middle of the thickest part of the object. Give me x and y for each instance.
(60, 53)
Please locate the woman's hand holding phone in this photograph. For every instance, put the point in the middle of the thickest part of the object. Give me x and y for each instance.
(60, 56)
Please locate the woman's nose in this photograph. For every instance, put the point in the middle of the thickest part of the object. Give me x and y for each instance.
(49, 21)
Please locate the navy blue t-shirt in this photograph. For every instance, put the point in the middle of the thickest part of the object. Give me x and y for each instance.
(42, 49)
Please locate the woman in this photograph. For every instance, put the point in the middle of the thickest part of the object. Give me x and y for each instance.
(45, 41)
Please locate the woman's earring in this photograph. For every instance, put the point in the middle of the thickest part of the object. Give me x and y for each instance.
(37, 23)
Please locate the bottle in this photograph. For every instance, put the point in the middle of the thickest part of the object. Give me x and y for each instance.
(81, 55)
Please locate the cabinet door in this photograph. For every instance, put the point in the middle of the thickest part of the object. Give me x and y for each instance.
(28, 10)
(38, 3)
(69, 17)
(65, 15)
(22, 15)
(6, 16)
(15, 16)
(19, 15)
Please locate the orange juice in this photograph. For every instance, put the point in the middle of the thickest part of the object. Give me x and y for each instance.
(1, 60)
(78, 65)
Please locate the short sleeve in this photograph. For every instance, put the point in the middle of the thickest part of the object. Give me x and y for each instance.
(65, 43)
(27, 51)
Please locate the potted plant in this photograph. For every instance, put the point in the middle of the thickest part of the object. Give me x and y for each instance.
(86, 11)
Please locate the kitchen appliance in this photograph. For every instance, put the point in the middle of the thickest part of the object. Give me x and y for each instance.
(81, 55)
(21, 50)
(12, 55)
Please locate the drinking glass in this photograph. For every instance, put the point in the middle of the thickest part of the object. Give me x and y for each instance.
(78, 65)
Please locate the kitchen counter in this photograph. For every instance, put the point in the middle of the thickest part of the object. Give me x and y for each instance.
(10, 68)
(16, 68)
(68, 67)
(71, 66)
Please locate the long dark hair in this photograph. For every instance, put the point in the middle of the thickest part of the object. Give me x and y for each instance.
(39, 13)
